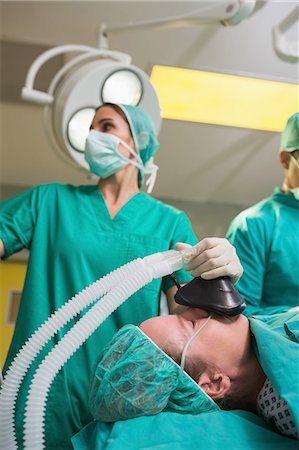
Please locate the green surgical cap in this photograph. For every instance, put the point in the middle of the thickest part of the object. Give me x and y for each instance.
(133, 377)
(143, 132)
(290, 135)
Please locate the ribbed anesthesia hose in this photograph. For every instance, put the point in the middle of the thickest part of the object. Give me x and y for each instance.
(24, 358)
(119, 285)
(64, 349)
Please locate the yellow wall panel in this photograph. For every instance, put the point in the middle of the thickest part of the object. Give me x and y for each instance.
(12, 275)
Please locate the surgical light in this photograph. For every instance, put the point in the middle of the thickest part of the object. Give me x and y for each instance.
(79, 87)
(225, 13)
(123, 86)
(100, 75)
(77, 126)
(286, 47)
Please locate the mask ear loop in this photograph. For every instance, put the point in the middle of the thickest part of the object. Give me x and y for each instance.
(185, 349)
(138, 163)
(151, 169)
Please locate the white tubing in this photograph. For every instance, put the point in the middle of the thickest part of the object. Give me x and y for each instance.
(23, 360)
(165, 263)
(160, 263)
(153, 266)
(63, 350)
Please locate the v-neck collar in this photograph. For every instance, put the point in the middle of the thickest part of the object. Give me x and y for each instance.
(123, 212)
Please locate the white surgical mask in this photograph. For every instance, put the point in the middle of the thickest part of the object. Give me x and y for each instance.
(103, 157)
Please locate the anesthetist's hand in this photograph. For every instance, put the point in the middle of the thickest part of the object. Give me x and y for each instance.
(212, 258)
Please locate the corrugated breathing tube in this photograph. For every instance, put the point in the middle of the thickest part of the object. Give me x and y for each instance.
(118, 286)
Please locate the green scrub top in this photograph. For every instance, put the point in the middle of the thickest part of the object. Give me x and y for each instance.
(73, 241)
(266, 238)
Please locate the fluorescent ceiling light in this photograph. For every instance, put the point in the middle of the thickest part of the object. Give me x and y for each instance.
(215, 98)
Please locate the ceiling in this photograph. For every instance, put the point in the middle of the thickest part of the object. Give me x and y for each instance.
(197, 162)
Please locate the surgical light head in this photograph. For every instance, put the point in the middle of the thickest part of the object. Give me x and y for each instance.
(290, 135)
(133, 377)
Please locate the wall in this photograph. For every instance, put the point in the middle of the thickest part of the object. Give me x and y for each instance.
(208, 219)
(12, 275)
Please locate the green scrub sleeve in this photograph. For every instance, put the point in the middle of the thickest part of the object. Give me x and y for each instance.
(17, 220)
(183, 233)
(249, 240)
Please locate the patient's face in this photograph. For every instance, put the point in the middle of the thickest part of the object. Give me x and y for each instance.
(222, 341)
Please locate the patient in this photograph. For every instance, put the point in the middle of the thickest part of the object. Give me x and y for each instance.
(220, 358)
(228, 363)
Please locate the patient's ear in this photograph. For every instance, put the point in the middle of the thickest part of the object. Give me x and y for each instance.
(215, 384)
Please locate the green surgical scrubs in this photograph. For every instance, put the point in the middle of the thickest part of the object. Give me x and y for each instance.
(73, 241)
(266, 237)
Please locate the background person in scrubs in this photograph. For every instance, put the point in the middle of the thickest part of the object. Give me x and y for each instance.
(266, 237)
(77, 234)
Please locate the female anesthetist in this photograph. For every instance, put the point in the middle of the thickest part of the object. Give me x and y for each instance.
(77, 234)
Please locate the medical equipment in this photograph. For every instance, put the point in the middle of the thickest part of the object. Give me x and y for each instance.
(188, 343)
(219, 14)
(96, 75)
(102, 155)
(285, 47)
(218, 295)
(118, 286)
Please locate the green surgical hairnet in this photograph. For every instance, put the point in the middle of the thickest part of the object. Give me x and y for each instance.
(143, 133)
(290, 135)
(133, 377)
